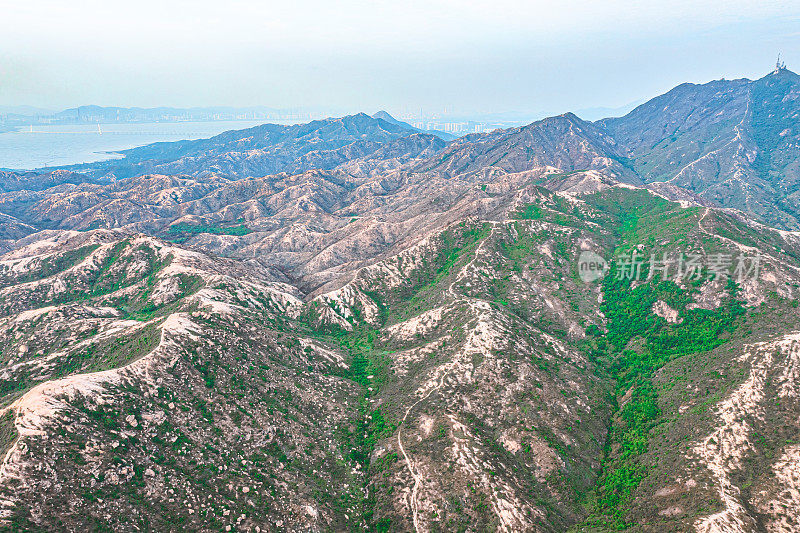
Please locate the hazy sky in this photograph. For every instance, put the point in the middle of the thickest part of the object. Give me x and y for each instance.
(467, 57)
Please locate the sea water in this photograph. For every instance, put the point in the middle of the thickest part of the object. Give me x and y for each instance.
(39, 146)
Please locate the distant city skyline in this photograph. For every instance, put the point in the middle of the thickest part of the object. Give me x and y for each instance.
(446, 58)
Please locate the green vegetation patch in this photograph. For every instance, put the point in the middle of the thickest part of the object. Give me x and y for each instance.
(50, 266)
(110, 353)
(638, 343)
(8, 432)
(529, 212)
(633, 365)
(184, 231)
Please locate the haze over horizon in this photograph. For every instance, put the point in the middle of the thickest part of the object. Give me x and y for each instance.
(464, 58)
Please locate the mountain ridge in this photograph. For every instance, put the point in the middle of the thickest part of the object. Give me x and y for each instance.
(732, 142)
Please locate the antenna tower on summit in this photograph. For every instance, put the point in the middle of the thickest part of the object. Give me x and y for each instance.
(779, 65)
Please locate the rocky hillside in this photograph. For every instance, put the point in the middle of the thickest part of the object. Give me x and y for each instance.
(534, 329)
(158, 389)
(34, 181)
(564, 143)
(468, 380)
(736, 143)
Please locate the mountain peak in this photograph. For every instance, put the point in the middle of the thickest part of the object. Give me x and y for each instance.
(557, 120)
(384, 115)
(361, 116)
(782, 72)
(572, 117)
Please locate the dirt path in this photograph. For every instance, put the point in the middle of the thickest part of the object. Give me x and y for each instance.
(409, 462)
(414, 504)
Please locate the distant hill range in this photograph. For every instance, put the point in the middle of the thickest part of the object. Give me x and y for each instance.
(12, 117)
(273, 148)
(90, 114)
